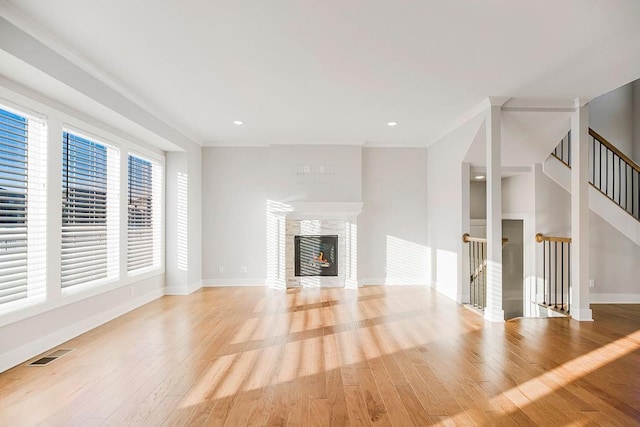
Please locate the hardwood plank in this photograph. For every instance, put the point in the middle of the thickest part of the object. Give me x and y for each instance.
(373, 399)
(356, 406)
(414, 408)
(376, 356)
(396, 410)
(318, 412)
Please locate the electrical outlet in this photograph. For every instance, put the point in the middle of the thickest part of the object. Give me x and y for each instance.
(592, 283)
(220, 270)
(243, 269)
(132, 291)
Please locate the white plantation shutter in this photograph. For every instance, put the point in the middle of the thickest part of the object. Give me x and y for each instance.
(89, 211)
(22, 208)
(144, 244)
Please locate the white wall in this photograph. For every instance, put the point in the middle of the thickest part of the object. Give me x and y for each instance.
(445, 207)
(517, 194)
(478, 199)
(392, 229)
(183, 219)
(615, 264)
(238, 182)
(234, 202)
(611, 115)
(552, 206)
(636, 121)
(177, 275)
(35, 329)
(614, 258)
(315, 173)
(24, 339)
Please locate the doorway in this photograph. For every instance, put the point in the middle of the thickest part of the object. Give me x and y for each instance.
(513, 268)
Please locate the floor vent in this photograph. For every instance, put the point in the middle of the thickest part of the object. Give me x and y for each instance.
(43, 361)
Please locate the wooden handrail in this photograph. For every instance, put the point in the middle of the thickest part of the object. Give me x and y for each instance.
(467, 238)
(611, 147)
(541, 238)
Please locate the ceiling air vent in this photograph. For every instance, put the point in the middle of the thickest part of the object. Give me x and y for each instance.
(43, 361)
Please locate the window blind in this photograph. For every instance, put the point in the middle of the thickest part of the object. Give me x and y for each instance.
(144, 213)
(22, 207)
(87, 210)
(13, 207)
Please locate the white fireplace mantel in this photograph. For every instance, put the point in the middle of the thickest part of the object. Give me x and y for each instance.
(317, 210)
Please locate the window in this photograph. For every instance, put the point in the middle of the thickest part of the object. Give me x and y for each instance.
(144, 230)
(89, 211)
(22, 208)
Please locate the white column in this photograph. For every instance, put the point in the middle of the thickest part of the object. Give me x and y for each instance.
(580, 213)
(463, 294)
(351, 264)
(493, 310)
(124, 210)
(194, 164)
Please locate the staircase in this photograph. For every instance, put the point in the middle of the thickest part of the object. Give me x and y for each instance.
(615, 182)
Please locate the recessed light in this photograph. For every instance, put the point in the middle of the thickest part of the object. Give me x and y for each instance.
(479, 177)
(238, 122)
(392, 124)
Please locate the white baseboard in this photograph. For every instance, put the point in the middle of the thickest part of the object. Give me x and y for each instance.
(390, 281)
(371, 281)
(21, 354)
(183, 290)
(615, 298)
(212, 283)
(406, 281)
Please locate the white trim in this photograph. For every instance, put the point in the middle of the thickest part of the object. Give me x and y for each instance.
(406, 281)
(183, 290)
(88, 135)
(46, 108)
(213, 283)
(25, 112)
(397, 281)
(81, 292)
(20, 355)
(82, 68)
(377, 281)
(317, 210)
(615, 298)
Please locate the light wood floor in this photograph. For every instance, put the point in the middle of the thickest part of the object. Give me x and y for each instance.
(376, 356)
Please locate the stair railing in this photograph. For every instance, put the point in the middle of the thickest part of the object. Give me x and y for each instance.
(556, 272)
(615, 175)
(478, 269)
(610, 171)
(562, 151)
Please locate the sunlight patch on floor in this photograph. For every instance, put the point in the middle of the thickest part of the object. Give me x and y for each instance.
(537, 388)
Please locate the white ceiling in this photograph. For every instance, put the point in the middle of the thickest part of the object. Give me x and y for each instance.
(334, 71)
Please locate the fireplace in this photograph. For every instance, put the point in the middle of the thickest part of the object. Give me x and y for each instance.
(316, 255)
(332, 228)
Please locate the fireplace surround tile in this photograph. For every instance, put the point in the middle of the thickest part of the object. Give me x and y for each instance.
(286, 221)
